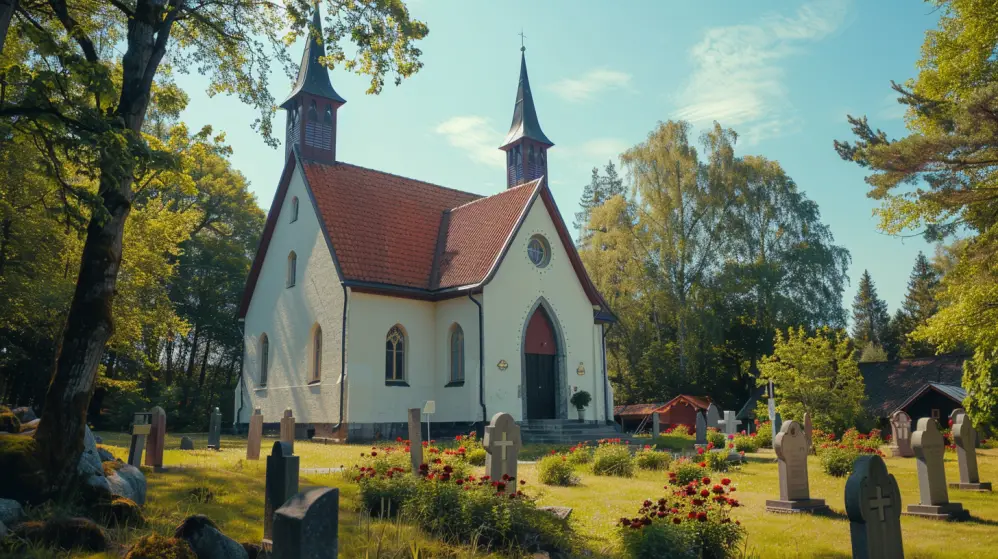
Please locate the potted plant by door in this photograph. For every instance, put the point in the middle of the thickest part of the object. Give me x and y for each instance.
(580, 400)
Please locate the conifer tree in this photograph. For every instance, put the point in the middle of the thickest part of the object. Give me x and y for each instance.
(869, 314)
(591, 198)
(919, 305)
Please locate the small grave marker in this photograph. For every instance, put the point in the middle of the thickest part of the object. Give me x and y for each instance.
(927, 442)
(502, 444)
(415, 438)
(215, 430)
(186, 443)
(306, 526)
(713, 417)
(873, 504)
(701, 430)
(288, 429)
(901, 434)
(791, 451)
(255, 435)
(140, 429)
(965, 438)
(281, 483)
(656, 426)
(157, 438)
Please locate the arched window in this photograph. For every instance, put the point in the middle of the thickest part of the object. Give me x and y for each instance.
(292, 264)
(264, 358)
(456, 354)
(312, 113)
(317, 354)
(294, 209)
(328, 117)
(395, 355)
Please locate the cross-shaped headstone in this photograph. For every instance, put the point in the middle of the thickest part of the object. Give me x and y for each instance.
(927, 442)
(965, 438)
(729, 423)
(415, 438)
(157, 438)
(901, 434)
(791, 452)
(502, 445)
(255, 435)
(280, 484)
(288, 429)
(701, 429)
(215, 430)
(140, 429)
(873, 504)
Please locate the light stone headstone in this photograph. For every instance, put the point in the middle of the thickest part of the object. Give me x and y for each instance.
(791, 451)
(701, 429)
(502, 446)
(281, 483)
(713, 417)
(288, 429)
(215, 430)
(140, 429)
(808, 432)
(157, 438)
(255, 435)
(901, 434)
(927, 442)
(186, 443)
(965, 439)
(656, 426)
(730, 426)
(415, 438)
(306, 527)
(873, 505)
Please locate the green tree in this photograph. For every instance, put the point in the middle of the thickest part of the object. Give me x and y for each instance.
(86, 95)
(919, 305)
(595, 194)
(870, 320)
(816, 374)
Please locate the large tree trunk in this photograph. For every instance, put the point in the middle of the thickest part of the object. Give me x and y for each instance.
(7, 9)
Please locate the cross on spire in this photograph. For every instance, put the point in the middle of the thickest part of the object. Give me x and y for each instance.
(522, 37)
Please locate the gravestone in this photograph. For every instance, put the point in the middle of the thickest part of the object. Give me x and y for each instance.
(777, 425)
(701, 430)
(288, 429)
(415, 438)
(281, 483)
(255, 435)
(656, 426)
(873, 505)
(215, 430)
(157, 439)
(965, 439)
(186, 443)
(140, 429)
(808, 433)
(502, 444)
(927, 442)
(791, 451)
(306, 527)
(901, 435)
(730, 425)
(713, 417)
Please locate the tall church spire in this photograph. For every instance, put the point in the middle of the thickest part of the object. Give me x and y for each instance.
(525, 144)
(312, 104)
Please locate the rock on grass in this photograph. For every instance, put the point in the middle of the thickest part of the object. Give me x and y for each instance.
(64, 533)
(159, 547)
(207, 541)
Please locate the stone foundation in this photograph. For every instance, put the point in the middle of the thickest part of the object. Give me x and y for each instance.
(365, 432)
(983, 487)
(814, 506)
(949, 511)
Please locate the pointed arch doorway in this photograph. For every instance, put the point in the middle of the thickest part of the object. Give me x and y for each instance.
(540, 366)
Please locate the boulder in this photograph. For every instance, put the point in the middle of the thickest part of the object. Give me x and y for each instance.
(127, 481)
(105, 455)
(23, 477)
(10, 512)
(30, 425)
(90, 462)
(207, 541)
(159, 547)
(25, 414)
(65, 533)
(3, 531)
(98, 440)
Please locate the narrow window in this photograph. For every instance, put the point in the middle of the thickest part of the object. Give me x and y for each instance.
(328, 116)
(456, 354)
(395, 355)
(292, 264)
(317, 354)
(264, 358)
(313, 115)
(294, 209)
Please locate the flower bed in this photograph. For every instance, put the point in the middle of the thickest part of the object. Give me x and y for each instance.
(716, 438)
(612, 458)
(650, 459)
(837, 456)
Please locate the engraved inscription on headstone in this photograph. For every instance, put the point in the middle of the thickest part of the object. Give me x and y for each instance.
(901, 434)
(255, 436)
(873, 504)
(415, 438)
(502, 446)
(927, 442)
(965, 439)
(791, 451)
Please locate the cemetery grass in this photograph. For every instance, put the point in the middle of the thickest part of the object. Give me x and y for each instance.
(237, 503)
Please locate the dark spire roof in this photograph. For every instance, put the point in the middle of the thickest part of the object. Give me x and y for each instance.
(313, 78)
(525, 123)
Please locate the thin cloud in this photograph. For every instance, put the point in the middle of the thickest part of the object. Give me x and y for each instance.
(604, 149)
(475, 136)
(589, 84)
(738, 76)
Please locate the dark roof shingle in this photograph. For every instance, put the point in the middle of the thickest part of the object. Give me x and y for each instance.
(889, 384)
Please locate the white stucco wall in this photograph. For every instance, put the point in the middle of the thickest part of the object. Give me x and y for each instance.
(509, 298)
(288, 316)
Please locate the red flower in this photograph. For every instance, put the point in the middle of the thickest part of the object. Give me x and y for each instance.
(710, 446)
(731, 437)
(459, 481)
(703, 464)
(702, 516)
(523, 482)
(426, 443)
(731, 445)
(660, 514)
(697, 502)
(457, 438)
(725, 481)
(700, 451)
(718, 489)
(398, 439)
(553, 451)
(733, 502)
(373, 454)
(705, 481)
(691, 515)
(704, 493)
(647, 503)
(424, 467)
(675, 520)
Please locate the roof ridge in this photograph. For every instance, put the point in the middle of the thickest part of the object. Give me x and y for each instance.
(517, 187)
(478, 196)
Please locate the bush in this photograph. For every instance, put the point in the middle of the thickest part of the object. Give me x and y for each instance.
(837, 461)
(612, 459)
(555, 469)
(658, 540)
(651, 459)
(685, 471)
(746, 443)
(159, 547)
(764, 435)
(580, 454)
(716, 438)
(718, 461)
(581, 399)
(680, 430)
(477, 457)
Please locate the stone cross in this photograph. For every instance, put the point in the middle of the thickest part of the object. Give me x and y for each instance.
(502, 445)
(307, 526)
(415, 438)
(901, 434)
(965, 438)
(157, 438)
(281, 483)
(808, 432)
(701, 429)
(873, 505)
(255, 435)
(140, 429)
(729, 423)
(656, 426)
(215, 430)
(791, 451)
(288, 429)
(713, 417)
(927, 442)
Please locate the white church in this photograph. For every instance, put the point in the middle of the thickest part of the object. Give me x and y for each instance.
(372, 293)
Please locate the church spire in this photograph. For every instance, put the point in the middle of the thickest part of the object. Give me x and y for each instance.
(525, 144)
(312, 104)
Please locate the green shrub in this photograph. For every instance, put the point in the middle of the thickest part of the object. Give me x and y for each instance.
(673, 441)
(746, 443)
(555, 469)
(684, 471)
(717, 461)
(580, 454)
(581, 399)
(650, 459)
(716, 438)
(383, 495)
(658, 540)
(612, 459)
(476, 457)
(837, 461)
(764, 435)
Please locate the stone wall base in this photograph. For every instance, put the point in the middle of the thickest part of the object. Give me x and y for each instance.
(949, 511)
(814, 506)
(329, 433)
(984, 486)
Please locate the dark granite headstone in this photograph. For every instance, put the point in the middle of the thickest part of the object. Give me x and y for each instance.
(215, 430)
(186, 443)
(281, 483)
(306, 527)
(873, 504)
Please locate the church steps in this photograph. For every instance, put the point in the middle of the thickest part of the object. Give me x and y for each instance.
(562, 431)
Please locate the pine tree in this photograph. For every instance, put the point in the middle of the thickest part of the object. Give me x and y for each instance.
(870, 320)
(592, 197)
(919, 305)
(612, 184)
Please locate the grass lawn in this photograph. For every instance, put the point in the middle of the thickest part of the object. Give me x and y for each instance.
(238, 505)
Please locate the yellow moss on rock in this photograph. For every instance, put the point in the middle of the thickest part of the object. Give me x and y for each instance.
(159, 547)
(23, 477)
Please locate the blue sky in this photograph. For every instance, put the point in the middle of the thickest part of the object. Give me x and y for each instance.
(782, 74)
